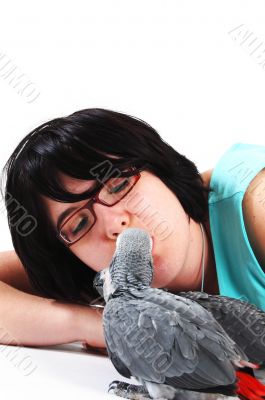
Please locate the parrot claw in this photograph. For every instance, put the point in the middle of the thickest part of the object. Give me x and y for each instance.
(128, 391)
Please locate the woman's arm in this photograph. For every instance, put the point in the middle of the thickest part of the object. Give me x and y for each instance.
(29, 319)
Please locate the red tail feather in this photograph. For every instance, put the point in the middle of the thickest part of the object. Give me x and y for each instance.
(249, 388)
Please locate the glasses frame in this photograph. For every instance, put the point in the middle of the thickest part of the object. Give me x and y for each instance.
(132, 171)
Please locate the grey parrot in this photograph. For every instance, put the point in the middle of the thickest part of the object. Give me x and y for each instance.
(170, 344)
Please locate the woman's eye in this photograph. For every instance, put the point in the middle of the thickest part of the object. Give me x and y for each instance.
(119, 187)
(80, 226)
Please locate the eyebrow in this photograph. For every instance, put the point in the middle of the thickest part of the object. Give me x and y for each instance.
(93, 190)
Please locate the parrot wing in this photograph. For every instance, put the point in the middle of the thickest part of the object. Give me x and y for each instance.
(163, 338)
(243, 321)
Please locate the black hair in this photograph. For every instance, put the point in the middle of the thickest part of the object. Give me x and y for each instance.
(73, 145)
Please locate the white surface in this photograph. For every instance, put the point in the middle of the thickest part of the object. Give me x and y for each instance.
(63, 371)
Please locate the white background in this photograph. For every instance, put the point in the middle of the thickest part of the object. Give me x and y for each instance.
(172, 63)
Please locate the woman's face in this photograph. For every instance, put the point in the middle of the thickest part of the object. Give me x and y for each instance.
(150, 205)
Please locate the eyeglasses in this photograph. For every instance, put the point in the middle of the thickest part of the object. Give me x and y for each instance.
(83, 220)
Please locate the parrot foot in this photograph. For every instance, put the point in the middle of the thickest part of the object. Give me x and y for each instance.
(128, 391)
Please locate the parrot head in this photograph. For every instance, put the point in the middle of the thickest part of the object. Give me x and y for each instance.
(131, 266)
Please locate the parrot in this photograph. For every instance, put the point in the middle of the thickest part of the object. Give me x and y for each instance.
(171, 345)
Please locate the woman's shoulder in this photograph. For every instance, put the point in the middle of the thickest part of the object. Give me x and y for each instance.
(206, 177)
(234, 170)
(253, 206)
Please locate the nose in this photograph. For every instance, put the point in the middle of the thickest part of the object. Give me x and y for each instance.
(113, 219)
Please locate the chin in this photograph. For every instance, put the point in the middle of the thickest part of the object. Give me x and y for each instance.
(160, 278)
(164, 273)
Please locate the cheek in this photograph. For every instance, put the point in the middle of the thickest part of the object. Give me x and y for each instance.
(147, 203)
(92, 258)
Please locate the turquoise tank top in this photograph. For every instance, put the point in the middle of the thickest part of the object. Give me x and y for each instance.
(239, 274)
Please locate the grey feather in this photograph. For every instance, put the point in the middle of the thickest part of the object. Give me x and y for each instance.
(243, 321)
(157, 336)
(195, 344)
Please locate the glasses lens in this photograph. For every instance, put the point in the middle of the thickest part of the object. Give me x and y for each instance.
(115, 189)
(81, 222)
(78, 225)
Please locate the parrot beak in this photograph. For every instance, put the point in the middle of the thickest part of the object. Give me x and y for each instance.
(98, 283)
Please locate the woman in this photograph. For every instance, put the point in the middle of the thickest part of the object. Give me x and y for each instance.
(60, 166)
